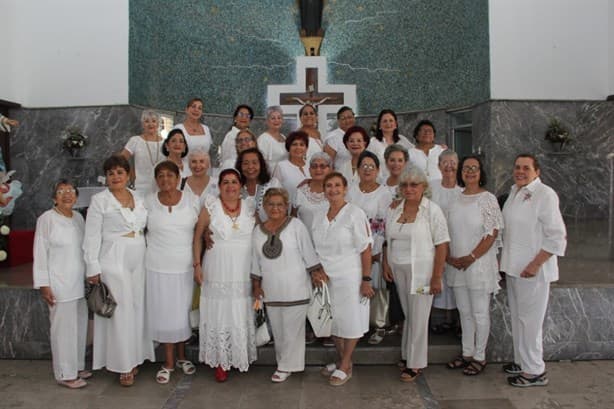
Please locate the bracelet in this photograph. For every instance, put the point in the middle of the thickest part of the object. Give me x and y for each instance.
(473, 256)
(195, 264)
(366, 278)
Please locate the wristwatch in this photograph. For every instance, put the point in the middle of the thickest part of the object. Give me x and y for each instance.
(366, 278)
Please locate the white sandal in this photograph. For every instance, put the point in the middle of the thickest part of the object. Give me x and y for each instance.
(186, 366)
(280, 376)
(339, 378)
(164, 375)
(328, 369)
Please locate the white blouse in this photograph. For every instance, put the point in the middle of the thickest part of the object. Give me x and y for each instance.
(308, 204)
(351, 175)
(229, 146)
(255, 201)
(533, 222)
(285, 280)
(107, 220)
(58, 257)
(272, 150)
(170, 234)
(428, 164)
(375, 205)
(202, 141)
(290, 175)
(146, 154)
(470, 219)
(444, 196)
(335, 141)
(315, 146)
(210, 190)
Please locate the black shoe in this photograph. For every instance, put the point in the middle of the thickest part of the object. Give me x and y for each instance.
(512, 369)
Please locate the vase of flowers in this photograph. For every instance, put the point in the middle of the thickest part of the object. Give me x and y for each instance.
(73, 140)
(557, 133)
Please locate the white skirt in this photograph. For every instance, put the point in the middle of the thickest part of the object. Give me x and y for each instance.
(169, 300)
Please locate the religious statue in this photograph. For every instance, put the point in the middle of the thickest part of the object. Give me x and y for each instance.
(311, 25)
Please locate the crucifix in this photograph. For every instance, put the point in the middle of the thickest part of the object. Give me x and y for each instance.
(311, 95)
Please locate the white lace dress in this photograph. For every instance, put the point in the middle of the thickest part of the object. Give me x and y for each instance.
(471, 218)
(227, 334)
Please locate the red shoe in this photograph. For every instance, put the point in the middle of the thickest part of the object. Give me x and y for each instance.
(220, 374)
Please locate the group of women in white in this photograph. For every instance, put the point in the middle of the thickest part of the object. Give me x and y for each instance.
(282, 215)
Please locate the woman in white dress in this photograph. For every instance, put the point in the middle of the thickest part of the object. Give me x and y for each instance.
(310, 198)
(114, 252)
(343, 241)
(355, 140)
(175, 148)
(199, 183)
(397, 159)
(333, 144)
(171, 217)
(417, 244)
(445, 192)
(374, 199)
(534, 236)
(242, 118)
(226, 330)
(425, 155)
(58, 273)
(245, 139)
(282, 259)
(272, 142)
(308, 115)
(387, 133)
(147, 152)
(197, 134)
(474, 221)
(256, 180)
(292, 171)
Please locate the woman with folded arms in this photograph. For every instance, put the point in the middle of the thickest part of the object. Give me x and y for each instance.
(171, 217)
(282, 258)
(59, 272)
(114, 252)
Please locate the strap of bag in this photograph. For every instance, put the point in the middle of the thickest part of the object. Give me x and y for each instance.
(183, 181)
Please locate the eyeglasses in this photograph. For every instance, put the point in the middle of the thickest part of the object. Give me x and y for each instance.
(244, 115)
(245, 140)
(413, 185)
(275, 205)
(318, 166)
(346, 117)
(366, 166)
(449, 163)
(62, 191)
(471, 169)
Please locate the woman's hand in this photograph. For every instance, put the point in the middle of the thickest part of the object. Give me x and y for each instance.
(198, 274)
(94, 279)
(208, 239)
(258, 293)
(48, 296)
(435, 285)
(318, 277)
(387, 273)
(530, 270)
(464, 262)
(395, 203)
(366, 290)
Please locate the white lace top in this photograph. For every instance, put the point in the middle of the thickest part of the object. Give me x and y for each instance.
(308, 203)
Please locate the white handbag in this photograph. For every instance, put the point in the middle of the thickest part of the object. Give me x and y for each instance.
(262, 331)
(320, 313)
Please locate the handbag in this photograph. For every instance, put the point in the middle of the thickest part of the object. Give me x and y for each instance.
(262, 330)
(99, 299)
(378, 312)
(319, 313)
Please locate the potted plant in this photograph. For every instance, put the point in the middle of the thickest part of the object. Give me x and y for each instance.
(73, 141)
(557, 133)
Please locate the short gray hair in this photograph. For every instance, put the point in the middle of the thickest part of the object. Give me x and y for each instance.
(321, 156)
(272, 109)
(199, 151)
(149, 113)
(415, 175)
(446, 153)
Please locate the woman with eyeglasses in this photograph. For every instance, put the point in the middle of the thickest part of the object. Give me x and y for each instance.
(333, 144)
(355, 140)
(245, 139)
(242, 118)
(374, 199)
(474, 221)
(59, 272)
(272, 142)
(417, 244)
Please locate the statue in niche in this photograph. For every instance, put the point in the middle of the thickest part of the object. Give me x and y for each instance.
(311, 31)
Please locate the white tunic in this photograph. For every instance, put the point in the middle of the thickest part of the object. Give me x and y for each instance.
(227, 334)
(290, 175)
(228, 148)
(414, 243)
(285, 280)
(335, 141)
(202, 141)
(428, 164)
(147, 154)
(58, 257)
(255, 201)
(272, 150)
(351, 175)
(339, 244)
(308, 204)
(533, 222)
(470, 219)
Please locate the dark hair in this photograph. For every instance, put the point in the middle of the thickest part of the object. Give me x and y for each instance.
(424, 122)
(368, 154)
(335, 175)
(459, 171)
(193, 100)
(173, 132)
(264, 176)
(530, 156)
(244, 106)
(115, 161)
(166, 165)
(379, 135)
(395, 147)
(302, 135)
(300, 111)
(342, 110)
(64, 181)
(227, 171)
(355, 129)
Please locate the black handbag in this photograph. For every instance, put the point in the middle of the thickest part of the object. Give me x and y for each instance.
(99, 299)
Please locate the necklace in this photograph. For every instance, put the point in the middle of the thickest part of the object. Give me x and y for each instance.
(157, 149)
(129, 203)
(61, 212)
(367, 189)
(229, 211)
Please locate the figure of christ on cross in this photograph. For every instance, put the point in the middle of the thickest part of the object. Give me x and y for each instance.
(311, 95)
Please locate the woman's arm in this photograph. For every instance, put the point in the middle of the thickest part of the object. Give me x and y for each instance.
(482, 248)
(441, 250)
(197, 244)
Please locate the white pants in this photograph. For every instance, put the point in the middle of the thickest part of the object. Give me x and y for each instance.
(67, 334)
(474, 311)
(417, 308)
(528, 300)
(288, 325)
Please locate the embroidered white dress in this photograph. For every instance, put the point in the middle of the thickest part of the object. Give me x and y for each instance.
(168, 260)
(146, 154)
(227, 334)
(122, 341)
(339, 243)
(273, 150)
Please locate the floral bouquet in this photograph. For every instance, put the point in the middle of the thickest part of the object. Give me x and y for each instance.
(73, 140)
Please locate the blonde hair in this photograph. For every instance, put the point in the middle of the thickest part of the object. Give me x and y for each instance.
(276, 191)
(415, 175)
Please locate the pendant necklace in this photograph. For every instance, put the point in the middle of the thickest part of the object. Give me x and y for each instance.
(235, 225)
